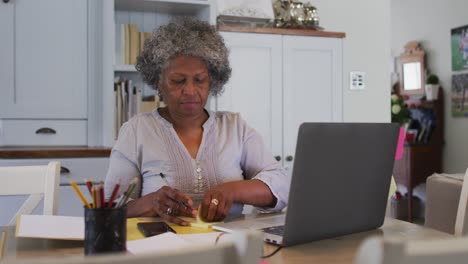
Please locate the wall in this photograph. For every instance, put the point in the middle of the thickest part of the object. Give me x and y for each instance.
(430, 21)
(367, 49)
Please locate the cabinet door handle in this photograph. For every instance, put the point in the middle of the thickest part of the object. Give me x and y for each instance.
(46, 130)
(289, 158)
(64, 170)
(278, 158)
(6, 1)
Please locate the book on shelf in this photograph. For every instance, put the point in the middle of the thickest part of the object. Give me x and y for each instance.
(134, 43)
(149, 103)
(126, 46)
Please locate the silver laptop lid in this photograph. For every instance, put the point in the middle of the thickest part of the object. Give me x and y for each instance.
(341, 178)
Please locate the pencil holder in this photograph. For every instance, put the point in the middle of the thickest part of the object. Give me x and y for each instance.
(105, 230)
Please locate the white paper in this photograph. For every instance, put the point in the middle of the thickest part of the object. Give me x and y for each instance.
(204, 238)
(160, 243)
(51, 227)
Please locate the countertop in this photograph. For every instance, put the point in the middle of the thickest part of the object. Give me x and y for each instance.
(282, 31)
(53, 152)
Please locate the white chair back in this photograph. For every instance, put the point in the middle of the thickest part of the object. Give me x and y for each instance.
(378, 250)
(461, 222)
(37, 181)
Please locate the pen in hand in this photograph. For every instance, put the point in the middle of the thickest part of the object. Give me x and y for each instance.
(164, 178)
(167, 183)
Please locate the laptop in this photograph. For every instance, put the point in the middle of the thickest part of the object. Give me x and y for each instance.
(339, 185)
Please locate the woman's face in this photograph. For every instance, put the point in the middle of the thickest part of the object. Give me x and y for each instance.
(185, 85)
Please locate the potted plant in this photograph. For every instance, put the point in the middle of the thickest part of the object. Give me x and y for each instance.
(432, 87)
(400, 113)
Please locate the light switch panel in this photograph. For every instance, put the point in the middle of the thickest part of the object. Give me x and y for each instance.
(357, 80)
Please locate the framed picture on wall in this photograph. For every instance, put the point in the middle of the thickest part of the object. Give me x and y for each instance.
(460, 95)
(459, 42)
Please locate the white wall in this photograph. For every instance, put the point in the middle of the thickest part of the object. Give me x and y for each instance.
(366, 48)
(430, 22)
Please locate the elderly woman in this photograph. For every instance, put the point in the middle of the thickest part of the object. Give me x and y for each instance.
(186, 155)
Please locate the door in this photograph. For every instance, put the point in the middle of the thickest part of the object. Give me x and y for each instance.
(312, 85)
(254, 89)
(45, 51)
(6, 51)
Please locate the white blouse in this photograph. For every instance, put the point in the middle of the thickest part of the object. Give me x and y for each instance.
(148, 146)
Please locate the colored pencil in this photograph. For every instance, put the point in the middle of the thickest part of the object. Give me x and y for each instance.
(114, 194)
(101, 195)
(80, 194)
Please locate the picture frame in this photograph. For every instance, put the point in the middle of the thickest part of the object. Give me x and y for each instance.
(460, 95)
(459, 43)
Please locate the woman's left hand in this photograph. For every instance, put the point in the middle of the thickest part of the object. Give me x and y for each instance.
(217, 203)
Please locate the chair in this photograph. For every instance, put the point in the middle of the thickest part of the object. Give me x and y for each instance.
(37, 181)
(379, 250)
(245, 248)
(461, 222)
(446, 205)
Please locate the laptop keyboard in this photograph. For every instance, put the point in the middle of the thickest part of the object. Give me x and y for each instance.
(275, 230)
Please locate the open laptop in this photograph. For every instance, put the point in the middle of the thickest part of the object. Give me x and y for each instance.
(340, 183)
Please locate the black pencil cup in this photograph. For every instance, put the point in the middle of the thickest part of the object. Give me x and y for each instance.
(105, 230)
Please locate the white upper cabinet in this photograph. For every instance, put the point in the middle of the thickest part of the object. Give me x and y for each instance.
(280, 81)
(312, 84)
(255, 88)
(43, 65)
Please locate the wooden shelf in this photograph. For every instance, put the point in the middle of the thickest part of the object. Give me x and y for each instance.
(282, 31)
(125, 68)
(421, 160)
(52, 152)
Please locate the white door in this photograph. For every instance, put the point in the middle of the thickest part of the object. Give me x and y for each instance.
(254, 89)
(312, 85)
(6, 51)
(46, 73)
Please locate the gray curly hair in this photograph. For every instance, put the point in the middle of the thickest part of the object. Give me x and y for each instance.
(185, 36)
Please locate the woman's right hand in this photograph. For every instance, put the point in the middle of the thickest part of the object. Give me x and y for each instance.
(169, 203)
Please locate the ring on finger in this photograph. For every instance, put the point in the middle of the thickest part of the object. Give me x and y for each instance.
(215, 201)
(169, 211)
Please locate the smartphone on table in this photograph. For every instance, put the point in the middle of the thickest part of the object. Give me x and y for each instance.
(154, 228)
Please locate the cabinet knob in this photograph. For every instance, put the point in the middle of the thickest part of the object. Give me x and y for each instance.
(64, 170)
(6, 1)
(46, 130)
(278, 158)
(289, 158)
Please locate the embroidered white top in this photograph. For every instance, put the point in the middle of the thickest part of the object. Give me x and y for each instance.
(230, 150)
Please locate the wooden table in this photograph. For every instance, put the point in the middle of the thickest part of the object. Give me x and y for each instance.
(337, 250)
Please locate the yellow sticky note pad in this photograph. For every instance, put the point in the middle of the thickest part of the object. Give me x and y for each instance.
(133, 233)
(198, 223)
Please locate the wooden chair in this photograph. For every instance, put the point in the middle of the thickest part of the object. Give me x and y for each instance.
(379, 250)
(461, 222)
(37, 181)
(244, 248)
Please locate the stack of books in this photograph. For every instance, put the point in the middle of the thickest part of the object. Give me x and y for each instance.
(128, 43)
(130, 102)
(127, 101)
